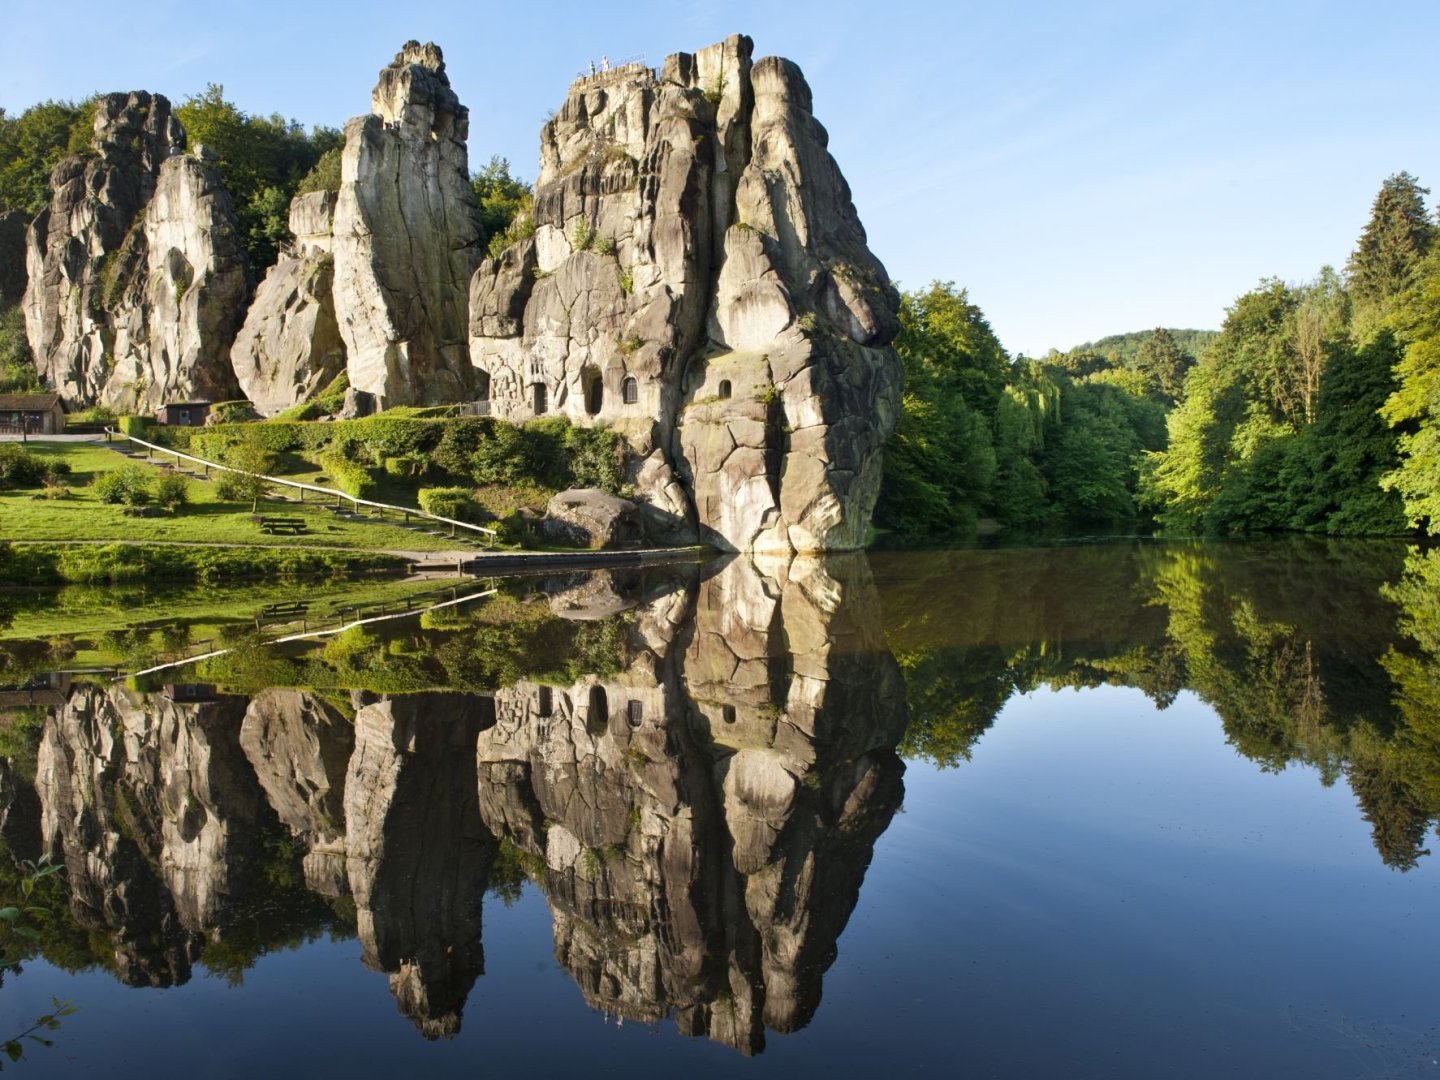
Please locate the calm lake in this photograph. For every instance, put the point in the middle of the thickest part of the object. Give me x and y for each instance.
(1130, 809)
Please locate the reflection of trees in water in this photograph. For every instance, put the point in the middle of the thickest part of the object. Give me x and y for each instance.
(1293, 643)
(696, 785)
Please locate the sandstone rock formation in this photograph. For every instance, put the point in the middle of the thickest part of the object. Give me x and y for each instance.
(698, 279)
(12, 257)
(290, 347)
(588, 518)
(136, 277)
(406, 237)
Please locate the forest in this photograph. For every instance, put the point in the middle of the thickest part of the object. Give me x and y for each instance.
(1315, 408)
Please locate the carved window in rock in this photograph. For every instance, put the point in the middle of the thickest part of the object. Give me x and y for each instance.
(482, 385)
(544, 703)
(598, 718)
(724, 391)
(635, 713)
(541, 401)
(630, 390)
(727, 713)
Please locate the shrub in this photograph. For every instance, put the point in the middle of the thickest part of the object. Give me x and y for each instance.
(347, 474)
(129, 484)
(19, 467)
(139, 426)
(172, 491)
(450, 502)
(407, 466)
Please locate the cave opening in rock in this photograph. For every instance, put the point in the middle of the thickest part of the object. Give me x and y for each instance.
(541, 400)
(594, 391)
(724, 392)
(598, 718)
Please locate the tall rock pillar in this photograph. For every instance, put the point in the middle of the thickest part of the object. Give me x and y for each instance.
(407, 236)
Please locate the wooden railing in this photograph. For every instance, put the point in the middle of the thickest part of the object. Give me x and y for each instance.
(338, 495)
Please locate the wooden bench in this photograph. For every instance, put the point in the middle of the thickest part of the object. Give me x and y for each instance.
(287, 612)
(272, 525)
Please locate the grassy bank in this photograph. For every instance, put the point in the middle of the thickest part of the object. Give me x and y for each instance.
(80, 514)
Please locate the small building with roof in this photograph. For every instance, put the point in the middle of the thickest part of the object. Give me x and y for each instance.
(31, 414)
(183, 413)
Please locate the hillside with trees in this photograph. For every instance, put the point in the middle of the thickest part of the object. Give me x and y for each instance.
(1315, 408)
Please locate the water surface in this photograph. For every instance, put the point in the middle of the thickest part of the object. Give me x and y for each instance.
(1117, 810)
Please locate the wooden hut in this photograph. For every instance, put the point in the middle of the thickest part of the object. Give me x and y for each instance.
(183, 413)
(31, 414)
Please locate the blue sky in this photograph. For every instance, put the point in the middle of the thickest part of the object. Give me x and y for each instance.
(1082, 169)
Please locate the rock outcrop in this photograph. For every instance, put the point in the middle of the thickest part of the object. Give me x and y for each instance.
(406, 236)
(136, 277)
(290, 346)
(588, 518)
(698, 279)
(12, 257)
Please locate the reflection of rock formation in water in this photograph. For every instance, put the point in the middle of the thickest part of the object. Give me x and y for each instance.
(148, 800)
(417, 854)
(299, 747)
(698, 795)
(706, 816)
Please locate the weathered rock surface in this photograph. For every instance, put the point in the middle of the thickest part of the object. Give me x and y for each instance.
(136, 277)
(152, 806)
(417, 854)
(704, 818)
(698, 279)
(290, 346)
(181, 284)
(586, 517)
(12, 257)
(406, 237)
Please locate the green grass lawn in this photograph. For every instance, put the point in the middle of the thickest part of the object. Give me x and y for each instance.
(25, 515)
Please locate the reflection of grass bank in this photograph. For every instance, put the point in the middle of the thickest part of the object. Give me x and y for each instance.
(90, 564)
(80, 515)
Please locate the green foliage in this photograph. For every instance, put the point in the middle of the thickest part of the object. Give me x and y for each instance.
(504, 206)
(1413, 410)
(584, 237)
(1397, 237)
(262, 161)
(32, 144)
(456, 503)
(172, 491)
(325, 176)
(142, 427)
(346, 473)
(17, 363)
(326, 402)
(113, 564)
(22, 468)
(129, 484)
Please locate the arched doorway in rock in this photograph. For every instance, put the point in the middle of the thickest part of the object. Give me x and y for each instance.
(482, 385)
(724, 391)
(541, 399)
(630, 390)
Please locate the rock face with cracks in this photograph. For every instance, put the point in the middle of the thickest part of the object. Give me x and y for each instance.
(698, 279)
(136, 279)
(290, 346)
(406, 236)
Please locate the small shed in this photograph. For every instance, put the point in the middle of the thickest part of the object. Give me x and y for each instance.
(183, 413)
(31, 414)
